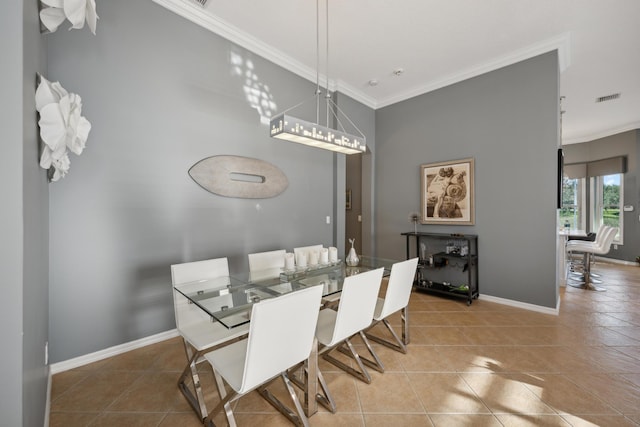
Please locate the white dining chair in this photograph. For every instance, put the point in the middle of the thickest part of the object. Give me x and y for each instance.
(590, 249)
(199, 333)
(575, 266)
(266, 265)
(281, 335)
(578, 266)
(335, 328)
(395, 299)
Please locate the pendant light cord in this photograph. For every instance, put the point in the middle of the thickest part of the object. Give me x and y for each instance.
(328, 94)
(318, 61)
(332, 108)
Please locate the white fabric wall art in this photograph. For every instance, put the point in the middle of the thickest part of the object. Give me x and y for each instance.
(54, 12)
(62, 127)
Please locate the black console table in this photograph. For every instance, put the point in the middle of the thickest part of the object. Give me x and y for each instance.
(448, 263)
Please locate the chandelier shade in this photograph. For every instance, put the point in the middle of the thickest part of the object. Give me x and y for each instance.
(293, 129)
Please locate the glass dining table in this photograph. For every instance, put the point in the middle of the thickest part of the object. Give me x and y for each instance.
(228, 300)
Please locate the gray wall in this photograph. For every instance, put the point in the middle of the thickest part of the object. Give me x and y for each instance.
(36, 230)
(11, 221)
(360, 177)
(23, 222)
(507, 120)
(623, 144)
(161, 94)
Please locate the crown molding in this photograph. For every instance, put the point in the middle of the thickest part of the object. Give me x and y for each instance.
(561, 43)
(601, 134)
(196, 14)
(348, 90)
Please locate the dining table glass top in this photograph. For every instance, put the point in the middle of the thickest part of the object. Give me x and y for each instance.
(229, 299)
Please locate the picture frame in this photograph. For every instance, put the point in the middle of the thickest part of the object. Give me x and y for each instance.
(447, 192)
(348, 200)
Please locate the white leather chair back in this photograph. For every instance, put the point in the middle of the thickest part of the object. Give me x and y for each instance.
(605, 247)
(187, 315)
(398, 289)
(601, 234)
(207, 269)
(266, 260)
(281, 335)
(357, 304)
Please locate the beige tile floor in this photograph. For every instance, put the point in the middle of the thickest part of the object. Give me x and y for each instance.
(484, 365)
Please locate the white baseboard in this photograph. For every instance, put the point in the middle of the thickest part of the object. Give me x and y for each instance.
(607, 260)
(615, 261)
(76, 362)
(523, 305)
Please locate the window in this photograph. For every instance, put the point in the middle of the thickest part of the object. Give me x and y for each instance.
(573, 203)
(607, 201)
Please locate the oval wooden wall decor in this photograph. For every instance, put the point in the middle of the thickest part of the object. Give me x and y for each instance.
(242, 177)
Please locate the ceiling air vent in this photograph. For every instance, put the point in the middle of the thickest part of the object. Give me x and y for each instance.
(608, 97)
(202, 3)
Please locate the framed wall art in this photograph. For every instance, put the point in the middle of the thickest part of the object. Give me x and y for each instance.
(447, 192)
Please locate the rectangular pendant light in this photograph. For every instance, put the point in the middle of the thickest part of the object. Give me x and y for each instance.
(301, 131)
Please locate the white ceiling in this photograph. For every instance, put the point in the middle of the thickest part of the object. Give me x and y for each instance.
(440, 42)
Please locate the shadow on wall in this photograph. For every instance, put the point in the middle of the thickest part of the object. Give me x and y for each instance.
(257, 93)
(150, 302)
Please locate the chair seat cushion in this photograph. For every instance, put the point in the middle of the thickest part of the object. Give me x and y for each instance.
(378, 311)
(581, 246)
(229, 363)
(590, 237)
(326, 325)
(205, 334)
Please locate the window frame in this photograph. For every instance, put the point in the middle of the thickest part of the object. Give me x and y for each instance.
(596, 201)
(581, 203)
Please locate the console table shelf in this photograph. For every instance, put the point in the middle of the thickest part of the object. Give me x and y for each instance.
(448, 263)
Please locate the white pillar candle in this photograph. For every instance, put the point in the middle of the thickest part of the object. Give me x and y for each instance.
(324, 256)
(333, 254)
(313, 258)
(302, 259)
(289, 261)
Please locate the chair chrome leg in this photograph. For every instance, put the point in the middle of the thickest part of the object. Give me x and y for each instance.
(196, 401)
(225, 403)
(293, 376)
(376, 363)
(587, 283)
(361, 374)
(325, 399)
(298, 417)
(222, 391)
(404, 315)
(396, 345)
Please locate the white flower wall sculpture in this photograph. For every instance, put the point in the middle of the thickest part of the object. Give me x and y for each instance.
(61, 127)
(76, 11)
